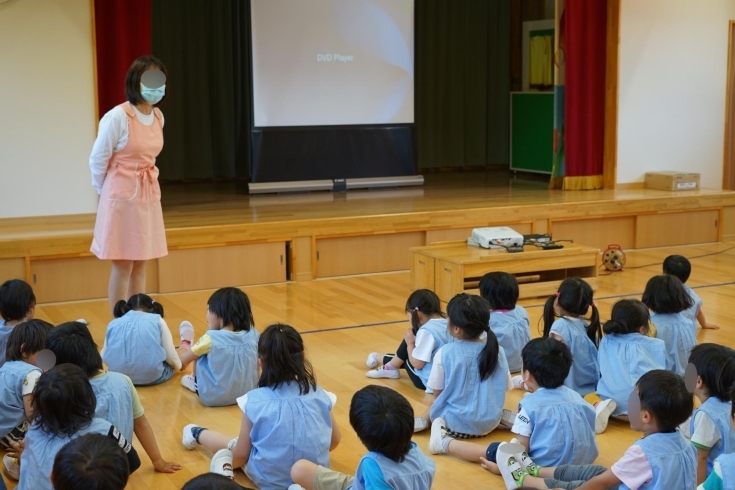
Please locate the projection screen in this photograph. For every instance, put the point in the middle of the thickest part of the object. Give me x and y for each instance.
(332, 62)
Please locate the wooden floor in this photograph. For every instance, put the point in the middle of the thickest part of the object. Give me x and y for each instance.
(344, 319)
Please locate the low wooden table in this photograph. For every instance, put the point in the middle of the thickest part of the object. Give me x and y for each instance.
(453, 267)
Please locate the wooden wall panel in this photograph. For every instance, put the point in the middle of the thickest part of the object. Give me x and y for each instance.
(365, 254)
(663, 230)
(216, 267)
(728, 222)
(597, 232)
(12, 269)
(302, 267)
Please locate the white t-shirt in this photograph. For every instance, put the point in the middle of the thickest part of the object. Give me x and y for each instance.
(424, 346)
(522, 424)
(30, 381)
(705, 435)
(436, 376)
(112, 137)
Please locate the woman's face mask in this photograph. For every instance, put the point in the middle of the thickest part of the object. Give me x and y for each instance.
(152, 95)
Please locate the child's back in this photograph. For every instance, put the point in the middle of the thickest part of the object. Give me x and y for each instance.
(718, 412)
(114, 392)
(677, 332)
(624, 358)
(469, 404)
(13, 375)
(585, 372)
(415, 472)
(437, 329)
(133, 346)
(562, 427)
(287, 426)
(230, 367)
(511, 327)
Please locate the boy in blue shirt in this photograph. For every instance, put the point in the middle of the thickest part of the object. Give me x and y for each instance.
(383, 420)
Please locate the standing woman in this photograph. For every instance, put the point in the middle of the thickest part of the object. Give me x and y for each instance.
(129, 228)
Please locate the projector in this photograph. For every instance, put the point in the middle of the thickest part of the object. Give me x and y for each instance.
(497, 237)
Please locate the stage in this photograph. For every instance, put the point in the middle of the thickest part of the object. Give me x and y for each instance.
(219, 235)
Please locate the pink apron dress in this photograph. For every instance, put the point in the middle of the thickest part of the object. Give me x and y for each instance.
(129, 222)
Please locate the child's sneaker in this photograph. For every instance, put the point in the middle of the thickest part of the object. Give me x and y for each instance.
(12, 468)
(439, 441)
(187, 437)
(373, 360)
(383, 372)
(526, 461)
(519, 384)
(510, 468)
(603, 410)
(188, 382)
(419, 424)
(186, 332)
(222, 464)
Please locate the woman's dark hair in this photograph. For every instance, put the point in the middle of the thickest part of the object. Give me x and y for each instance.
(135, 73)
(16, 300)
(383, 420)
(548, 360)
(211, 481)
(665, 395)
(281, 352)
(426, 302)
(666, 294)
(93, 462)
(233, 307)
(628, 316)
(72, 343)
(500, 289)
(472, 314)
(138, 302)
(575, 297)
(63, 402)
(716, 366)
(27, 338)
(678, 266)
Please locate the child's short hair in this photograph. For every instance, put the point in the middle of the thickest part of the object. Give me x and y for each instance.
(716, 366)
(666, 294)
(27, 338)
(678, 266)
(383, 420)
(139, 302)
(233, 307)
(16, 299)
(92, 461)
(72, 343)
(548, 360)
(500, 289)
(63, 401)
(211, 481)
(627, 316)
(281, 351)
(664, 394)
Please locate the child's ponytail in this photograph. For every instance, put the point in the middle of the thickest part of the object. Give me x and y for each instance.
(594, 329)
(575, 297)
(121, 307)
(424, 301)
(627, 316)
(138, 302)
(549, 315)
(471, 314)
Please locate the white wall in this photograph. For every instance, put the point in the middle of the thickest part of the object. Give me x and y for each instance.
(673, 72)
(47, 121)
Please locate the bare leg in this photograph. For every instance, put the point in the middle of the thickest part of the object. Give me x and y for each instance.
(119, 281)
(396, 362)
(303, 473)
(214, 441)
(469, 451)
(137, 278)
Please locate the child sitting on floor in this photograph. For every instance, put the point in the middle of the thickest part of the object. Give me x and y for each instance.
(663, 459)
(383, 420)
(63, 409)
(138, 342)
(17, 303)
(554, 423)
(667, 299)
(226, 356)
(709, 427)
(679, 266)
(117, 398)
(509, 322)
(92, 461)
(722, 476)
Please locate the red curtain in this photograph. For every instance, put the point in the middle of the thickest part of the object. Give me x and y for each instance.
(585, 28)
(122, 34)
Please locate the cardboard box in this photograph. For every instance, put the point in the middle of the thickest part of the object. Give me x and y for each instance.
(672, 181)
